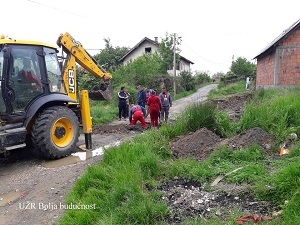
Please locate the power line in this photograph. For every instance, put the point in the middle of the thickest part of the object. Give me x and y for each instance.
(205, 59)
(58, 9)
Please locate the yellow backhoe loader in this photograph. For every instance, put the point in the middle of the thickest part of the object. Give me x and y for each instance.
(40, 104)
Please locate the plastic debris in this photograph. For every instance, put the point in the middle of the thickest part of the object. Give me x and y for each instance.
(220, 177)
(292, 136)
(284, 151)
(255, 218)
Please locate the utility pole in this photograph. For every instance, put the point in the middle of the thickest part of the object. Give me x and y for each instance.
(174, 65)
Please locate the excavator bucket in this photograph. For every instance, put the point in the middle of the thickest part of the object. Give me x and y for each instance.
(102, 92)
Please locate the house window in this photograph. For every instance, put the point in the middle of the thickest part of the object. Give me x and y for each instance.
(182, 67)
(148, 50)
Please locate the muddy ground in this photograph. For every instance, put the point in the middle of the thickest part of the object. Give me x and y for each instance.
(33, 191)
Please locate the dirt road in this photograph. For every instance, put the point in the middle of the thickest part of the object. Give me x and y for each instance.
(34, 191)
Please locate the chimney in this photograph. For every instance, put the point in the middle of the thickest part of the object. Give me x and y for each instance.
(156, 39)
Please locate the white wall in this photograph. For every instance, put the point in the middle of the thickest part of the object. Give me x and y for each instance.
(139, 51)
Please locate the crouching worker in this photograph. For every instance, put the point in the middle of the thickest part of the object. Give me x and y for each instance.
(137, 113)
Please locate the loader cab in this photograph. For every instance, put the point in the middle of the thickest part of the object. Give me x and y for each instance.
(27, 71)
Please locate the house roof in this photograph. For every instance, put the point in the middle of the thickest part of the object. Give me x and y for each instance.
(137, 45)
(152, 42)
(183, 58)
(275, 42)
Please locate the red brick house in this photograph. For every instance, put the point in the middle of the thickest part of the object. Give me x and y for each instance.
(278, 65)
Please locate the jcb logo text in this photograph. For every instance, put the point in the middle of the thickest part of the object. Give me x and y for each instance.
(71, 81)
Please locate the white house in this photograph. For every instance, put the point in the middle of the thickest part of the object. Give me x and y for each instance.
(147, 45)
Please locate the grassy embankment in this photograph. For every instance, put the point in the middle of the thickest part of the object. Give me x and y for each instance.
(123, 185)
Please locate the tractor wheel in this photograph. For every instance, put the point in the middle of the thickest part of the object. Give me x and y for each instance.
(55, 132)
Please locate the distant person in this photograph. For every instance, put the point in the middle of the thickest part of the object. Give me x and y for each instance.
(148, 94)
(141, 96)
(155, 107)
(122, 103)
(137, 113)
(166, 101)
(247, 83)
(127, 103)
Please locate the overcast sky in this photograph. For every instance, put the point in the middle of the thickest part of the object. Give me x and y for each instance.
(213, 31)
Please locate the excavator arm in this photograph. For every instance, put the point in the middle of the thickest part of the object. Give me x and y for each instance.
(75, 53)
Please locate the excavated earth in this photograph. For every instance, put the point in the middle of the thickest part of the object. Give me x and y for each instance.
(39, 182)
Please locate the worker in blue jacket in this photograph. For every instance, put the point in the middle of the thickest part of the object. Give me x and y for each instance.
(141, 96)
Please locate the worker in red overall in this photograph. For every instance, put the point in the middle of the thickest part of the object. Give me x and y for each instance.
(137, 113)
(155, 106)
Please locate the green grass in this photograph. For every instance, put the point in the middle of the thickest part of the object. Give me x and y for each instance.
(223, 125)
(123, 185)
(103, 112)
(225, 90)
(117, 187)
(278, 114)
(184, 94)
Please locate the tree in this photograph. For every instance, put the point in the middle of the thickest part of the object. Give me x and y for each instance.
(202, 77)
(218, 75)
(187, 81)
(146, 70)
(166, 50)
(242, 67)
(109, 57)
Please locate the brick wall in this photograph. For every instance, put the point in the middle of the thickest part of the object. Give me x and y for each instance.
(265, 71)
(293, 38)
(282, 66)
(289, 66)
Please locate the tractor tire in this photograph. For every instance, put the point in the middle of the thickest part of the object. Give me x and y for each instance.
(55, 132)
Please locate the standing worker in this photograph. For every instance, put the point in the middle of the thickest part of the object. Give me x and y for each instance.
(155, 107)
(127, 103)
(166, 101)
(122, 103)
(137, 113)
(141, 96)
(148, 94)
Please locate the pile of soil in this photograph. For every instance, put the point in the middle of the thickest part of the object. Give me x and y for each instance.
(197, 145)
(200, 144)
(233, 105)
(254, 136)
